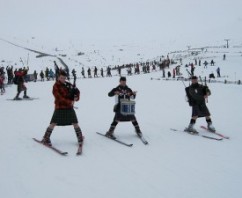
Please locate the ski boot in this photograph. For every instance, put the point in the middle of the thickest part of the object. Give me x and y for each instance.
(17, 98)
(191, 129)
(110, 135)
(211, 127)
(46, 141)
(110, 132)
(26, 97)
(46, 138)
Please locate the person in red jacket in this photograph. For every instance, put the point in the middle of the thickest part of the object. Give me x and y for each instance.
(19, 81)
(65, 95)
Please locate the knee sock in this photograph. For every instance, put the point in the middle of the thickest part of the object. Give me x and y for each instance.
(78, 133)
(48, 133)
(113, 126)
(209, 120)
(136, 126)
(192, 121)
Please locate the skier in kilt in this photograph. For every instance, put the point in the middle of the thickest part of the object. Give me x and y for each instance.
(122, 91)
(65, 95)
(197, 95)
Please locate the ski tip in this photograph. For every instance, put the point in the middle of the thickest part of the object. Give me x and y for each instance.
(173, 129)
(36, 140)
(219, 139)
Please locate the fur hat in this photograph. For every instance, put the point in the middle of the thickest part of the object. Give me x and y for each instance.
(122, 78)
(194, 77)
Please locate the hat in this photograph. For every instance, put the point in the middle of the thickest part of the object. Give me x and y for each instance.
(62, 73)
(122, 78)
(194, 77)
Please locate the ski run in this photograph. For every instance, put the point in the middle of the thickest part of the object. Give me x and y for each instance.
(133, 39)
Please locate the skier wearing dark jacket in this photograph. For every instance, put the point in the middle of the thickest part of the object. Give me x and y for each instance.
(122, 92)
(197, 95)
(19, 80)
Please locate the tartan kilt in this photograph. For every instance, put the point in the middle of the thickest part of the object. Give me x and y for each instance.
(64, 117)
(124, 118)
(200, 110)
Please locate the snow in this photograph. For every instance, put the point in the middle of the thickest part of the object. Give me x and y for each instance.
(174, 164)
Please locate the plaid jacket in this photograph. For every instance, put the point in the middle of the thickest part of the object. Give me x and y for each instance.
(62, 98)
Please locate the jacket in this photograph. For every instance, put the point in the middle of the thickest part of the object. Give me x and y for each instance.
(61, 93)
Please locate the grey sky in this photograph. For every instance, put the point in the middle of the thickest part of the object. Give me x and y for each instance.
(57, 20)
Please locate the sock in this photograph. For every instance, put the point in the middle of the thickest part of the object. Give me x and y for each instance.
(136, 126)
(78, 133)
(48, 133)
(209, 120)
(192, 121)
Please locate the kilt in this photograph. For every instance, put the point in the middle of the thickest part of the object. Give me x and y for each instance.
(120, 117)
(200, 110)
(21, 87)
(64, 117)
(124, 118)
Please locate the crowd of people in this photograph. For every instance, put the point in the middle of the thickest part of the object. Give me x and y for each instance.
(11, 75)
(51, 74)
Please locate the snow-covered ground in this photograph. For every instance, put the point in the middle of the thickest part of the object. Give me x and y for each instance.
(174, 164)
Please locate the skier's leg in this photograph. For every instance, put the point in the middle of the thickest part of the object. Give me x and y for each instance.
(210, 126)
(78, 133)
(18, 92)
(190, 127)
(25, 91)
(110, 132)
(136, 126)
(48, 132)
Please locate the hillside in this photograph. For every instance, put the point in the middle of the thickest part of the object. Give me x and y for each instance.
(173, 164)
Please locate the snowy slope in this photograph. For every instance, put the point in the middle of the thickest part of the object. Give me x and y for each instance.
(173, 164)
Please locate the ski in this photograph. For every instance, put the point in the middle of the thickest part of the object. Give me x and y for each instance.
(197, 134)
(155, 79)
(51, 147)
(22, 99)
(116, 140)
(143, 139)
(218, 134)
(79, 149)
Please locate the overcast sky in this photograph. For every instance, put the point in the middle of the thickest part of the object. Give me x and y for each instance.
(178, 22)
(146, 27)
(121, 20)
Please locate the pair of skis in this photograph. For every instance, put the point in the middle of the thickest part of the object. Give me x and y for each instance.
(221, 136)
(64, 153)
(23, 99)
(124, 143)
(217, 133)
